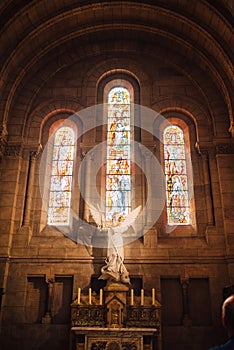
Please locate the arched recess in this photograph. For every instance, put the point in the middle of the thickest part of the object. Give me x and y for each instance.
(119, 81)
(53, 121)
(52, 124)
(60, 169)
(113, 78)
(196, 113)
(198, 198)
(27, 53)
(40, 119)
(118, 67)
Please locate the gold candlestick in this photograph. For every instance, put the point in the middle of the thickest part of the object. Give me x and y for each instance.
(142, 297)
(132, 297)
(78, 296)
(90, 296)
(101, 296)
(153, 296)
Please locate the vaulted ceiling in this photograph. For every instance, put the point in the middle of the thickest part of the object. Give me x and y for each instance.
(193, 37)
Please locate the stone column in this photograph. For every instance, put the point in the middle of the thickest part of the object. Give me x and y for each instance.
(185, 283)
(29, 190)
(87, 183)
(147, 166)
(50, 285)
(1, 294)
(207, 186)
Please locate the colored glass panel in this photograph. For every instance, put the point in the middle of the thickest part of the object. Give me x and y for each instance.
(118, 168)
(117, 152)
(61, 177)
(177, 199)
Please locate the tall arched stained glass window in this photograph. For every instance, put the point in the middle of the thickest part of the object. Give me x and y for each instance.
(177, 196)
(61, 177)
(118, 168)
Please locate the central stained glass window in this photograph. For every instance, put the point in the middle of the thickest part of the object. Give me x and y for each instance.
(118, 167)
(178, 212)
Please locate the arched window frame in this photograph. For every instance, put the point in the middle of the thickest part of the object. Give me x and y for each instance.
(112, 84)
(175, 171)
(61, 177)
(118, 164)
(104, 86)
(56, 122)
(125, 79)
(185, 125)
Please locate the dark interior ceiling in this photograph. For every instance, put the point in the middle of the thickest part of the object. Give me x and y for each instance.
(195, 37)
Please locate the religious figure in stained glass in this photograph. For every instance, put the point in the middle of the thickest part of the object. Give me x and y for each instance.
(61, 177)
(178, 212)
(118, 168)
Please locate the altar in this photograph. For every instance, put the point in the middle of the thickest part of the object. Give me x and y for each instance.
(116, 319)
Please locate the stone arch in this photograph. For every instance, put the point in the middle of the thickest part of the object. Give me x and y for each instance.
(43, 116)
(115, 67)
(186, 106)
(208, 49)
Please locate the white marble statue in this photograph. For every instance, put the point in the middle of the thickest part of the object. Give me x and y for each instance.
(114, 270)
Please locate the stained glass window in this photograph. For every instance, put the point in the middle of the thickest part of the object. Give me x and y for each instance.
(178, 212)
(118, 168)
(61, 177)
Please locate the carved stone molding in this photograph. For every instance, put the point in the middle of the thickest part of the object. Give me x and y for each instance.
(225, 148)
(220, 148)
(3, 143)
(3, 139)
(231, 128)
(200, 151)
(204, 150)
(50, 279)
(184, 280)
(34, 154)
(13, 151)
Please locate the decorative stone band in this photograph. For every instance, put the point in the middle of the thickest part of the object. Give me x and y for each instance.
(14, 150)
(225, 148)
(220, 148)
(96, 316)
(89, 316)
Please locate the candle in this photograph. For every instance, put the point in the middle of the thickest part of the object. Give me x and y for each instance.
(153, 296)
(78, 296)
(90, 296)
(142, 297)
(101, 296)
(132, 297)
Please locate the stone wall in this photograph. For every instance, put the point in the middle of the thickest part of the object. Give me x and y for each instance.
(55, 61)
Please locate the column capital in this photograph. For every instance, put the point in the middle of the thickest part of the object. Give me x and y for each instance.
(35, 153)
(184, 280)
(205, 148)
(50, 279)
